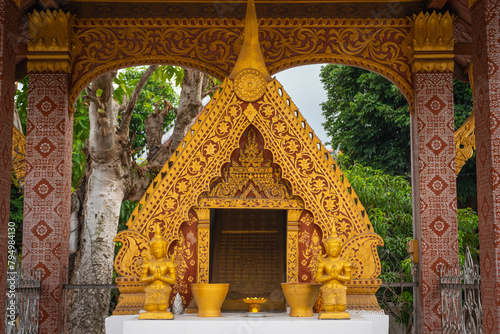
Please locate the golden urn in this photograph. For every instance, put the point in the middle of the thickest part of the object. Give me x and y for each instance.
(209, 298)
(301, 297)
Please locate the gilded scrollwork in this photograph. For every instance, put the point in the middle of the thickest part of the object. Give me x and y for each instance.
(311, 249)
(184, 258)
(250, 85)
(212, 45)
(361, 250)
(135, 247)
(465, 142)
(203, 253)
(465, 136)
(251, 175)
(256, 152)
(292, 259)
(249, 203)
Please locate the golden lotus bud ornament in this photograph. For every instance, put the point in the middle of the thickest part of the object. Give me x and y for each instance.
(158, 273)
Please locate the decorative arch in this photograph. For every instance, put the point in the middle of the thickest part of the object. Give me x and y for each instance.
(212, 45)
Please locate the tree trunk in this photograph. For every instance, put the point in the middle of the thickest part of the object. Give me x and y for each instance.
(100, 204)
(111, 177)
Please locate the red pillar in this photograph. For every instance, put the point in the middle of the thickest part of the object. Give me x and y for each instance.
(47, 199)
(8, 13)
(433, 164)
(49, 130)
(486, 77)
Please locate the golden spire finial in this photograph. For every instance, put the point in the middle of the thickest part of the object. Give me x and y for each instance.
(157, 237)
(251, 55)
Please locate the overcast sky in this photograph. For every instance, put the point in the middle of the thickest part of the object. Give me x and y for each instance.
(303, 85)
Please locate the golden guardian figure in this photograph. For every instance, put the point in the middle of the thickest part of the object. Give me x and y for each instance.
(333, 272)
(158, 273)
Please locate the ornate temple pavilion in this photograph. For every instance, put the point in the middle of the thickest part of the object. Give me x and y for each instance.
(253, 157)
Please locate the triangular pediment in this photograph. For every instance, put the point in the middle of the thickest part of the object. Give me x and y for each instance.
(309, 178)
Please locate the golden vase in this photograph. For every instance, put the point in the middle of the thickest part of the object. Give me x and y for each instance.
(209, 298)
(301, 297)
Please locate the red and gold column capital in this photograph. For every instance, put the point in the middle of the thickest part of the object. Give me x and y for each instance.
(49, 42)
(432, 46)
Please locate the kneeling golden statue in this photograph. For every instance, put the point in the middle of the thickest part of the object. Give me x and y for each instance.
(333, 272)
(158, 272)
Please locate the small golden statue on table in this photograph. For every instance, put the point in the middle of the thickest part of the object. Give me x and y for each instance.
(333, 272)
(158, 272)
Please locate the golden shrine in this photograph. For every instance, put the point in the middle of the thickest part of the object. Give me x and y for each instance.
(248, 198)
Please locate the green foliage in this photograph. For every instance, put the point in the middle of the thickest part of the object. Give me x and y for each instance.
(462, 97)
(125, 211)
(367, 118)
(154, 95)
(468, 230)
(81, 128)
(387, 200)
(169, 74)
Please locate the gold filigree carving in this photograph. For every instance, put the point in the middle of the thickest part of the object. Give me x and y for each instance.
(135, 248)
(465, 139)
(18, 155)
(292, 242)
(49, 41)
(380, 45)
(203, 244)
(249, 203)
(302, 164)
(292, 258)
(132, 295)
(362, 252)
(465, 142)
(250, 85)
(433, 42)
(250, 112)
(203, 254)
(313, 249)
(265, 180)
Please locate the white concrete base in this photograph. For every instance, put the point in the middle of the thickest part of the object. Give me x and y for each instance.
(237, 323)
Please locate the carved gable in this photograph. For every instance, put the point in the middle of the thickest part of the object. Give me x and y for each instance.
(258, 154)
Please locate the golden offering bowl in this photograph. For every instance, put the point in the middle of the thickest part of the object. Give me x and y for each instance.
(254, 303)
(209, 298)
(301, 297)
